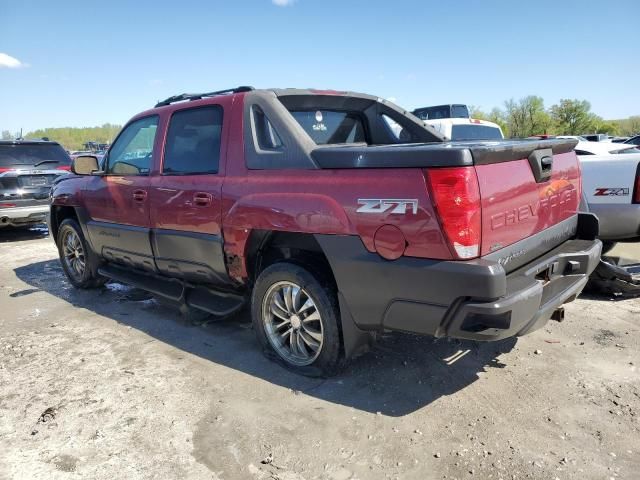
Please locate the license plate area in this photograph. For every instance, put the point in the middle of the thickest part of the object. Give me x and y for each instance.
(34, 181)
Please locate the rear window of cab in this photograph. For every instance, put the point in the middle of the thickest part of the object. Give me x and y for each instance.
(327, 127)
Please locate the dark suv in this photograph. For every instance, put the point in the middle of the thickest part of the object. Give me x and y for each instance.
(27, 170)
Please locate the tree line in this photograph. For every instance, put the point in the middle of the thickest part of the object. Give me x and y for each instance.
(528, 116)
(71, 138)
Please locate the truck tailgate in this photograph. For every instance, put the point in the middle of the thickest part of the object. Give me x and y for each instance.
(516, 205)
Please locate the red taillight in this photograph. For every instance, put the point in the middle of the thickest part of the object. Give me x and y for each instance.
(636, 190)
(456, 196)
(2, 170)
(7, 205)
(64, 167)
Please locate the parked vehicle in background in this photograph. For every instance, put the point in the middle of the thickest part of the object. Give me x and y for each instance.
(307, 205)
(611, 190)
(77, 153)
(611, 186)
(27, 170)
(456, 110)
(459, 129)
(601, 148)
(96, 146)
(635, 140)
(596, 137)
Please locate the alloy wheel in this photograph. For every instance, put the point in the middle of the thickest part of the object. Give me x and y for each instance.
(74, 256)
(292, 323)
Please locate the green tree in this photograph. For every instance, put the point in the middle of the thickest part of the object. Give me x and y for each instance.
(628, 126)
(526, 117)
(74, 138)
(495, 115)
(605, 126)
(574, 117)
(476, 112)
(6, 135)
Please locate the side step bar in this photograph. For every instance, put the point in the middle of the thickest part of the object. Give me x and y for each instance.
(200, 297)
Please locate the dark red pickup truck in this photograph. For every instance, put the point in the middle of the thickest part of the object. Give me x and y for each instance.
(336, 214)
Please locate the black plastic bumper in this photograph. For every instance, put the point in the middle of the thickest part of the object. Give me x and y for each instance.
(474, 299)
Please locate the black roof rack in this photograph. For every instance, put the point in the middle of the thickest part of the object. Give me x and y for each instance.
(198, 96)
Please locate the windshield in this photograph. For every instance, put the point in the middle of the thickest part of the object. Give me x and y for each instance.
(33, 154)
(475, 132)
(331, 126)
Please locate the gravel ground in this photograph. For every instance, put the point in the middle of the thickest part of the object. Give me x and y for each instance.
(111, 384)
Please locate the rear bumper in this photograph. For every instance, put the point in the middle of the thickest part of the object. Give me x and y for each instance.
(474, 299)
(24, 215)
(534, 292)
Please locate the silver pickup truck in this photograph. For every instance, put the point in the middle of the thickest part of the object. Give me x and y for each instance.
(611, 189)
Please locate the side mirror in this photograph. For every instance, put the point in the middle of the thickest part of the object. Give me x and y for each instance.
(85, 165)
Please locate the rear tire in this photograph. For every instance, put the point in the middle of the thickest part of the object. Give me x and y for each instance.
(296, 320)
(78, 261)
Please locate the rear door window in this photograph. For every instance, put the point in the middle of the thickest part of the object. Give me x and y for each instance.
(331, 126)
(193, 142)
(33, 155)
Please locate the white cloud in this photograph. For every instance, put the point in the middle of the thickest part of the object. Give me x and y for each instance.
(7, 61)
(283, 3)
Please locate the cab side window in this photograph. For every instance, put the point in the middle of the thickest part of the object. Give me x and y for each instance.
(193, 142)
(132, 152)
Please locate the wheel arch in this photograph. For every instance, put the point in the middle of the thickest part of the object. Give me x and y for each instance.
(266, 247)
(58, 214)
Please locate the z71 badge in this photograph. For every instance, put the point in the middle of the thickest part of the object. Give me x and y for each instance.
(384, 205)
(612, 192)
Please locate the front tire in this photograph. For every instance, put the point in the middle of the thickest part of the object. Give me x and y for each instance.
(295, 318)
(79, 262)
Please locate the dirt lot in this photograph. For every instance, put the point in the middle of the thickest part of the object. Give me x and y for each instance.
(110, 384)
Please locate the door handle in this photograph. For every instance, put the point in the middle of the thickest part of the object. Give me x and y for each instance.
(202, 199)
(139, 195)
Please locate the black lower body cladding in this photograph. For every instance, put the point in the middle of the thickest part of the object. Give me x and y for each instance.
(474, 299)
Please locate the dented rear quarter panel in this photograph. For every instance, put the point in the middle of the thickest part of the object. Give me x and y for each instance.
(326, 202)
